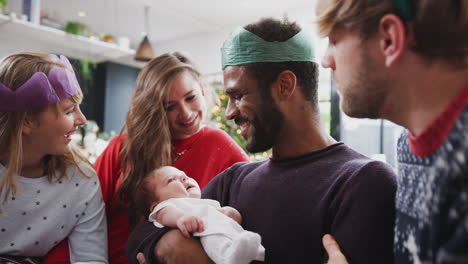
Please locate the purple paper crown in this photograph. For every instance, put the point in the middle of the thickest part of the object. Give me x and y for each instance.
(40, 89)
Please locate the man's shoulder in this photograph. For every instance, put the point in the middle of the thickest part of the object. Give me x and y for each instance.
(248, 166)
(244, 167)
(352, 159)
(356, 167)
(237, 172)
(341, 152)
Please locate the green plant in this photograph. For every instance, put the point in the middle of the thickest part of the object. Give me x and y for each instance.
(87, 67)
(103, 36)
(87, 71)
(3, 3)
(107, 38)
(75, 28)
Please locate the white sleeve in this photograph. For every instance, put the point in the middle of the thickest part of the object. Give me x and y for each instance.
(88, 240)
(161, 205)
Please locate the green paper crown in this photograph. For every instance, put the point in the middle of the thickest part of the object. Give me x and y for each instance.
(243, 47)
(404, 9)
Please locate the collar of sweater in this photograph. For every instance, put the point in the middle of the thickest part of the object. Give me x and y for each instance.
(433, 136)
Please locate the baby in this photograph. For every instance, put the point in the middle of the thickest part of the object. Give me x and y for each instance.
(176, 203)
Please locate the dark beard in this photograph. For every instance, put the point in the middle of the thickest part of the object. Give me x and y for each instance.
(266, 127)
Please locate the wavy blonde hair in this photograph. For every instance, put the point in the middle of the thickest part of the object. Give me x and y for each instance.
(440, 27)
(148, 142)
(15, 70)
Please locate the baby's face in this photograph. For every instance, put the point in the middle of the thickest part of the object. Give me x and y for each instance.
(173, 183)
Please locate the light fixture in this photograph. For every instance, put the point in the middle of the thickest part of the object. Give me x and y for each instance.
(145, 51)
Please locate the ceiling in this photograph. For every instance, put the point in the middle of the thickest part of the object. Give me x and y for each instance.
(168, 20)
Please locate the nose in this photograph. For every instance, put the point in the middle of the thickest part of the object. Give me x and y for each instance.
(184, 112)
(80, 119)
(185, 181)
(328, 61)
(231, 110)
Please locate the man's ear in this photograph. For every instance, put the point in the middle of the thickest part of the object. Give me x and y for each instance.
(29, 124)
(392, 38)
(285, 85)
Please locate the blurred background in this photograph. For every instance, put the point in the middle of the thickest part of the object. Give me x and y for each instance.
(109, 41)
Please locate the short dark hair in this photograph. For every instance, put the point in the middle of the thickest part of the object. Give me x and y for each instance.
(142, 199)
(270, 29)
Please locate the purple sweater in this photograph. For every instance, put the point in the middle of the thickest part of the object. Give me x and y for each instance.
(293, 202)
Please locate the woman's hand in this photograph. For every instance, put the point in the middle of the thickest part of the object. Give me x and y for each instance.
(335, 256)
(189, 224)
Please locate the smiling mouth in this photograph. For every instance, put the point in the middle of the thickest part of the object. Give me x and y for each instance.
(68, 135)
(243, 123)
(189, 123)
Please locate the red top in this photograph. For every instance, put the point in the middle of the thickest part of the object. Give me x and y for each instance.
(433, 136)
(205, 154)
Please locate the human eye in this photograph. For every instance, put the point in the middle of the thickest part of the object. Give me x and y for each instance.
(170, 108)
(70, 110)
(234, 94)
(171, 179)
(237, 96)
(190, 98)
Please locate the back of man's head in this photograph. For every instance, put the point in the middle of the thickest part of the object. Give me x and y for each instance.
(439, 27)
(265, 73)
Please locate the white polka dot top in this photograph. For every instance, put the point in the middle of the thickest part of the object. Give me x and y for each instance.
(41, 214)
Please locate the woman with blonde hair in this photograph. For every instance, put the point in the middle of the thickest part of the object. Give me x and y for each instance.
(48, 191)
(164, 126)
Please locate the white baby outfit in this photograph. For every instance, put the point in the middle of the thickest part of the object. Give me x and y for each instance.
(224, 240)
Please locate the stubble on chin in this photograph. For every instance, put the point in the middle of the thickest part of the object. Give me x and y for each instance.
(365, 97)
(265, 133)
(364, 105)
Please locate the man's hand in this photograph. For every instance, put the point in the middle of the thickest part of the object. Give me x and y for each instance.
(189, 224)
(333, 250)
(175, 248)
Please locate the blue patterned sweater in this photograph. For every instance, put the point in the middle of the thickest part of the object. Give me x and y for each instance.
(432, 199)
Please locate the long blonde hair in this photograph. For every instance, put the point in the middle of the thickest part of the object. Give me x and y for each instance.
(148, 142)
(15, 70)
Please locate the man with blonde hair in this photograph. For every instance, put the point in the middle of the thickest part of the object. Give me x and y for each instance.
(407, 61)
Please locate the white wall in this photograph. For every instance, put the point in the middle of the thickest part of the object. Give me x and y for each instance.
(363, 135)
(204, 49)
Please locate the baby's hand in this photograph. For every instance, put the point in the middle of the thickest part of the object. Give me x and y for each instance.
(232, 213)
(189, 224)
